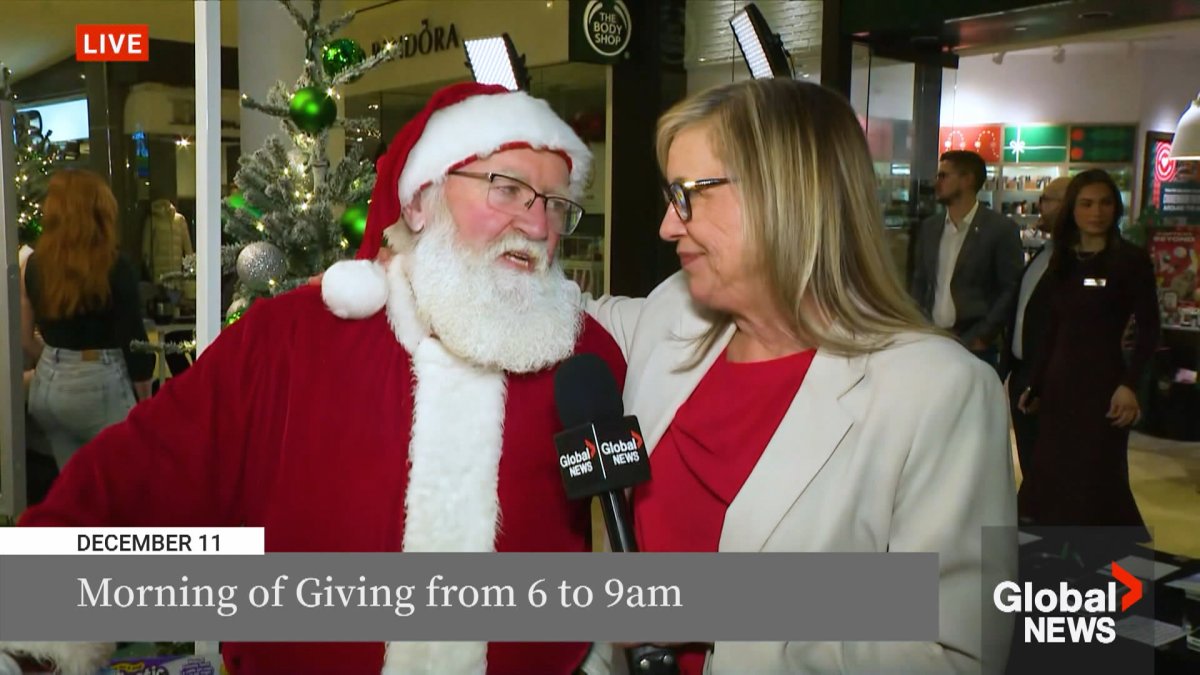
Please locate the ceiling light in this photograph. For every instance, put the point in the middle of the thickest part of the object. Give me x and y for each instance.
(762, 49)
(1187, 134)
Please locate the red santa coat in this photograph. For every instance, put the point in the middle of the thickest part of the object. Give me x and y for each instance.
(303, 423)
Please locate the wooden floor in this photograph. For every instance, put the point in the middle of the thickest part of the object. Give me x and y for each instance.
(1165, 476)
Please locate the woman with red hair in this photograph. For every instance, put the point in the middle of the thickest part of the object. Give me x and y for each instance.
(84, 297)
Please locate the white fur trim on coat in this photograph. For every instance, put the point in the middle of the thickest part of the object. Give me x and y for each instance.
(451, 502)
(354, 289)
(71, 658)
(478, 127)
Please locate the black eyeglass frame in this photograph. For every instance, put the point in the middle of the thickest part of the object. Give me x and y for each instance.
(569, 225)
(678, 194)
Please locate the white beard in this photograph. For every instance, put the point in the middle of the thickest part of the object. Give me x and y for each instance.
(487, 314)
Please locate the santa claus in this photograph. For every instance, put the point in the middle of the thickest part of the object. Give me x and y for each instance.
(406, 407)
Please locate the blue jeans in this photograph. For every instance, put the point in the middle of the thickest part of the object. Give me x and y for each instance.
(75, 394)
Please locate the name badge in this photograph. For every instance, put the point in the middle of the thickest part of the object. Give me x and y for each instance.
(1097, 283)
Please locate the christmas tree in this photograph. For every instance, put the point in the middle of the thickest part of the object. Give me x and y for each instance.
(35, 160)
(293, 214)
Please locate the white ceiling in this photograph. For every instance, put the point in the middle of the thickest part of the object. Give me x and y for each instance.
(1178, 36)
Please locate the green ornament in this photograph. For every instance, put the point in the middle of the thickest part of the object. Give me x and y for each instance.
(30, 232)
(236, 310)
(354, 223)
(312, 110)
(340, 55)
(238, 200)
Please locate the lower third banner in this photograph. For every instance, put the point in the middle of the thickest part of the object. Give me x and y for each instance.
(494, 597)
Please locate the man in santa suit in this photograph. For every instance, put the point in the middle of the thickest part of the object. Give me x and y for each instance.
(406, 407)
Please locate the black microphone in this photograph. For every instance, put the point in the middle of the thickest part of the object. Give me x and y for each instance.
(601, 453)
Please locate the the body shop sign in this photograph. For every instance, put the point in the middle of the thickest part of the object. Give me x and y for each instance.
(600, 30)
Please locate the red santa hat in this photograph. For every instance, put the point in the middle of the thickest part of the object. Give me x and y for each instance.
(460, 124)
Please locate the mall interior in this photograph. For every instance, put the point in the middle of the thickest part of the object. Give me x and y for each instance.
(1040, 90)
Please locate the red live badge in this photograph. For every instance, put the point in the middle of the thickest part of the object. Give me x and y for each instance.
(112, 42)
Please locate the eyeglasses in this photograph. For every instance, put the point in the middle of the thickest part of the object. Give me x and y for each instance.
(678, 194)
(512, 196)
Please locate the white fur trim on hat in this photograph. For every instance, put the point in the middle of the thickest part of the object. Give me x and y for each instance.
(481, 125)
(354, 289)
(70, 658)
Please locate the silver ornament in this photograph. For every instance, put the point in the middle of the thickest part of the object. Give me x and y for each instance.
(259, 264)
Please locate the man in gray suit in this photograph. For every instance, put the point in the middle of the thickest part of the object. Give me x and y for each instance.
(968, 262)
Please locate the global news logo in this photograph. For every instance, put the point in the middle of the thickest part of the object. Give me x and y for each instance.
(1066, 614)
(620, 452)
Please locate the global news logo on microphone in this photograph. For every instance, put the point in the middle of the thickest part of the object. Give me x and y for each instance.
(1065, 614)
(602, 456)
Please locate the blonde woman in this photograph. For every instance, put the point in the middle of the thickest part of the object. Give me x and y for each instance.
(791, 395)
(84, 299)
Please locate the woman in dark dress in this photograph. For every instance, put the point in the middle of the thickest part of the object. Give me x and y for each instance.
(1082, 388)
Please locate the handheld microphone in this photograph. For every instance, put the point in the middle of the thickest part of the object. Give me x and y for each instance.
(601, 453)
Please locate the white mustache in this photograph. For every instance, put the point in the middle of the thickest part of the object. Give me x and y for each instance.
(538, 253)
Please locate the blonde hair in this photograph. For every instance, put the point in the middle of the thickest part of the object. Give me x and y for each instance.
(78, 246)
(811, 218)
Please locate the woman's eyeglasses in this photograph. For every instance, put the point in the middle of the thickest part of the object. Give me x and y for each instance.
(678, 194)
(512, 196)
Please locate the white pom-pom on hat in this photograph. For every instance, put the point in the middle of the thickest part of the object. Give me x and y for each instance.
(354, 289)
